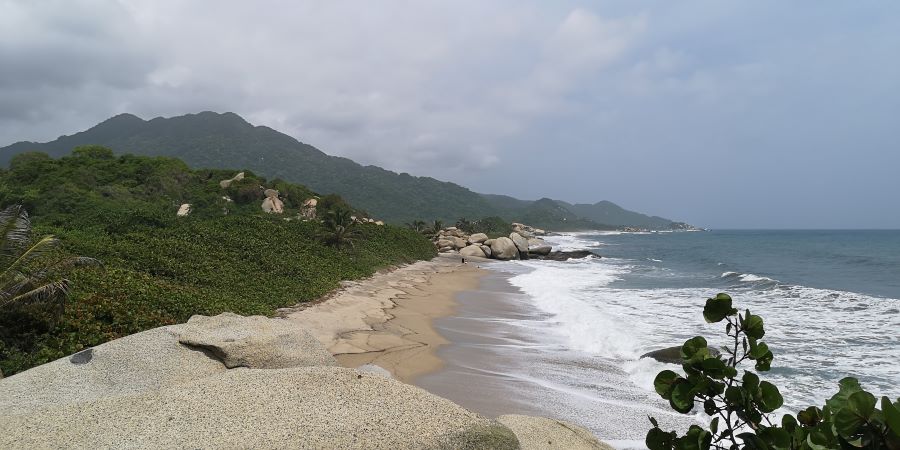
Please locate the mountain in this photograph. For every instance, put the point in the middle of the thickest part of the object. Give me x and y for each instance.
(218, 141)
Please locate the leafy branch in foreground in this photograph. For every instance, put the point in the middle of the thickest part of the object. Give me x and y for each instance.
(742, 408)
(29, 272)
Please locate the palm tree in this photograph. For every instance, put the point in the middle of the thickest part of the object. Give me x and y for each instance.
(340, 228)
(31, 273)
(416, 225)
(436, 228)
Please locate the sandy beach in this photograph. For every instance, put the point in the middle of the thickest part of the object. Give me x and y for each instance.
(387, 319)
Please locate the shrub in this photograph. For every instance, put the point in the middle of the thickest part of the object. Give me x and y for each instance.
(741, 408)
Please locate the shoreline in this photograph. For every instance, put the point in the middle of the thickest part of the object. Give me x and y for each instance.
(387, 320)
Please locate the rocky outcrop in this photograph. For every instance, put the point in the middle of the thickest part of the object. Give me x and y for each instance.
(308, 210)
(526, 230)
(539, 433)
(521, 243)
(472, 251)
(477, 238)
(272, 204)
(565, 255)
(226, 183)
(538, 247)
(255, 342)
(504, 248)
(171, 387)
(184, 210)
(671, 355)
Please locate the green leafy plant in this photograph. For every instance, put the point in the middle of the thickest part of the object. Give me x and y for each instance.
(30, 273)
(742, 408)
(340, 227)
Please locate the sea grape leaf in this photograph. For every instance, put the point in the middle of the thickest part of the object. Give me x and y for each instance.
(658, 439)
(859, 408)
(751, 383)
(695, 346)
(764, 363)
(848, 386)
(681, 398)
(770, 398)
(776, 437)
(714, 367)
(753, 326)
(717, 308)
(663, 383)
(891, 415)
(810, 416)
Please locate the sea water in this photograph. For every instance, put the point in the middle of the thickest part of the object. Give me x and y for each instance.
(830, 301)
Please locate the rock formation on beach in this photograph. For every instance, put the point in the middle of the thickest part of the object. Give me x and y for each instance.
(250, 382)
(520, 244)
(272, 204)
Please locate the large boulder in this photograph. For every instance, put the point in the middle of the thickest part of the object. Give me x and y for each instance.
(520, 241)
(146, 361)
(307, 407)
(256, 342)
(488, 242)
(226, 183)
(504, 248)
(478, 238)
(472, 250)
(458, 242)
(184, 210)
(539, 247)
(539, 433)
(487, 250)
(671, 355)
(444, 242)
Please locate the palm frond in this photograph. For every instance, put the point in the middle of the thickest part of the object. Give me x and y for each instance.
(53, 292)
(15, 231)
(39, 249)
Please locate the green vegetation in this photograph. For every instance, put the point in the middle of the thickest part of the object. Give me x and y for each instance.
(340, 228)
(226, 140)
(159, 269)
(741, 408)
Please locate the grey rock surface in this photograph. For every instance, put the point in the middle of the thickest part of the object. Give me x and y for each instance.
(307, 407)
(539, 433)
(472, 250)
(539, 247)
(478, 238)
(255, 342)
(504, 248)
(520, 241)
(135, 364)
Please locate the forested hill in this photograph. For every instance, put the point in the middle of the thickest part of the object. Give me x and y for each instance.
(217, 141)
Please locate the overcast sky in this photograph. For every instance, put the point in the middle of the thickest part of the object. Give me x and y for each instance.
(721, 113)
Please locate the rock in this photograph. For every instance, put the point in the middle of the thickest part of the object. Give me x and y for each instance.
(226, 183)
(671, 355)
(306, 407)
(310, 203)
(504, 248)
(272, 204)
(184, 210)
(487, 250)
(565, 255)
(539, 433)
(477, 238)
(379, 223)
(444, 243)
(308, 210)
(458, 242)
(446, 250)
(142, 362)
(520, 241)
(488, 242)
(539, 247)
(256, 342)
(472, 250)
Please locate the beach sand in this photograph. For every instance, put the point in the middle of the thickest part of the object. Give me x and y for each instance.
(387, 319)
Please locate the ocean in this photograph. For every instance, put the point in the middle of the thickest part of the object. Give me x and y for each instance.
(569, 336)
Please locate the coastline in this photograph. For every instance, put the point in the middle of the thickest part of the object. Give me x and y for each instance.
(387, 320)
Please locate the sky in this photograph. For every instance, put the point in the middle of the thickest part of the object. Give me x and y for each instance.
(725, 114)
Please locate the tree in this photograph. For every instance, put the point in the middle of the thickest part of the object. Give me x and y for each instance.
(741, 408)
(436, 228)
(416, 225)
(340, 228)
(31, 272)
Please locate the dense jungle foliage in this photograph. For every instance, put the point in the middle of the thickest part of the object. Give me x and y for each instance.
(159, 269)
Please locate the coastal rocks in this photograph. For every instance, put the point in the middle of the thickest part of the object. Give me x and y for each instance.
(478, 238)
(256, 342)
(272, 204)
(539, 433)
(527, 231)
(472, 251)
(184, 210)
(308, 210)
(671, 355)
(521, 243)
(142, 362)
(538, 247)
(226, 183)
(504, 248)
(458, 242)
(565, 255)
(311, 407)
